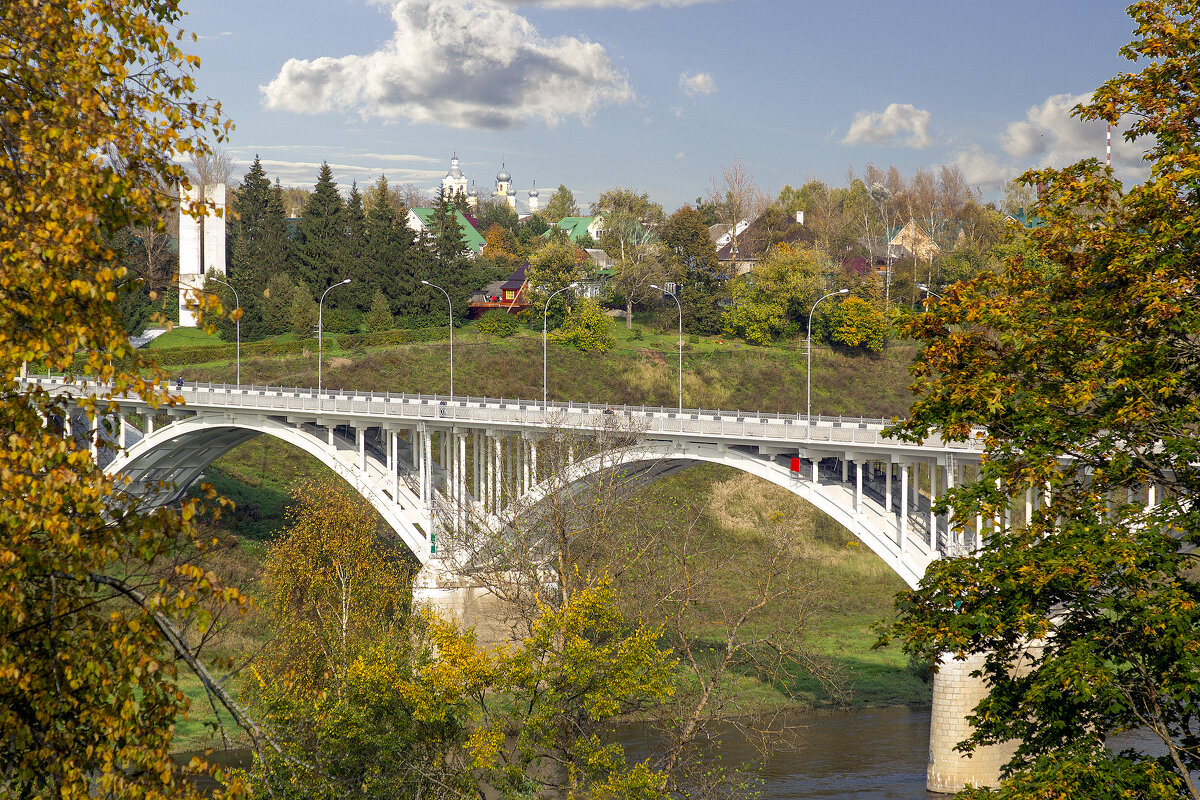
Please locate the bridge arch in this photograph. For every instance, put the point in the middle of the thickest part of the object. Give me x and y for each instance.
(657, 459)
(162, 464)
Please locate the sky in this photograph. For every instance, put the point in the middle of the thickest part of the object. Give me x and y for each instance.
(657, 95)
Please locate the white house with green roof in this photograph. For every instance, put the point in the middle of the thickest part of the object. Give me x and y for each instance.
(419, 220)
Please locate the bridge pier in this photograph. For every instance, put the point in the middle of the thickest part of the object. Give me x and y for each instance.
(955, 695)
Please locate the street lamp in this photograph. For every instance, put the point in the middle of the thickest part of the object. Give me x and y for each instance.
(239, 325)
(676, 299)
(808, 403)
(545, 317)
(320, 331)
(443, 291)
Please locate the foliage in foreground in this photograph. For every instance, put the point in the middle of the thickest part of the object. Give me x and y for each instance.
(96, 593)
(1081, 360)
(368, 701)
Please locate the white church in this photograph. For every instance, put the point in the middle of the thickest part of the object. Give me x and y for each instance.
(455, 183)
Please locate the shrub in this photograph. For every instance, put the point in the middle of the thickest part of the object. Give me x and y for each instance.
(498, 323)
(342, 320)
(587, 328)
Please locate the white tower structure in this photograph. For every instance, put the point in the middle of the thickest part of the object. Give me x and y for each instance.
(473, 196)
(201, 245)
(533, 199)
(455, 182)
(503, 182)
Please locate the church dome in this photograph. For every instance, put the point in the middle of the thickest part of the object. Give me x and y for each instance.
(502, 176)
(473, 192)
(534, 191)
(454, 172)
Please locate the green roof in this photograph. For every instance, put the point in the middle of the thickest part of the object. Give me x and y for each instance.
(576, 227)
(470, 237)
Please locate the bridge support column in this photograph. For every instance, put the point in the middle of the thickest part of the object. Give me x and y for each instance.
(462, 479)
(887, 487)
(858, 480)
(533, 460)
(816, 464)
(932, 499)
(394, 439)
(955, 695)
(361, 436)
(845, 468)
(903, 507)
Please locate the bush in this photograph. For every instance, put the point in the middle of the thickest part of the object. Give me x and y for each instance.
(498, 323)
(390, 338)
(587, 328)
(342, 320)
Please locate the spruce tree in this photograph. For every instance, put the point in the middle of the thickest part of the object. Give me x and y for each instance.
(356, 255)
(259, 250)
(393, 258)
(320, 244)
(448, 264)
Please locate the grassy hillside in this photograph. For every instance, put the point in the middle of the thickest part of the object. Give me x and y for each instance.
(639, 371)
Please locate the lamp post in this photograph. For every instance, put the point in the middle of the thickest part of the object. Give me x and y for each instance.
(808, 402)
(451, 305)
(676, 299)
(239, 325)
(320, 331)
(545, 317)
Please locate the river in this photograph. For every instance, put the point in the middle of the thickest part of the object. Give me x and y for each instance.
(877, 754)
(863, 755)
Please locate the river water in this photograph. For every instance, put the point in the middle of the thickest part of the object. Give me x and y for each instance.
(864, 755)
(878, 754)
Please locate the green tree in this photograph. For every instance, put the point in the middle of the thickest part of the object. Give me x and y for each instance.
(277, 303)
(379, 318)
(587, 328)
(340, 682)
(700, 276)
(259, 248)
(98, 595)
(319, 248)
(303, 313)
(558, 264)
(1079, 359)
(780, 291)
(392, 259)
(561, 204)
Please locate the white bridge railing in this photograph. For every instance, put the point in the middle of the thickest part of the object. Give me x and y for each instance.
(649, 420)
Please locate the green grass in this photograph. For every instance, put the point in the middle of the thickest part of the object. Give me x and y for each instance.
(184, 337)
(717, 373)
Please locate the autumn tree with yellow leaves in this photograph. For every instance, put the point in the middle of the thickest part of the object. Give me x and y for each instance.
(101, 600)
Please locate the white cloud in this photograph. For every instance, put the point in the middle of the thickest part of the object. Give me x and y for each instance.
(1050, 137)
(631, 5)
(697, 83)
(889, 126)
(470, 64)
(982, 168)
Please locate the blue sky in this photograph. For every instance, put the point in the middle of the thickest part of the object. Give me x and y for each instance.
(658, 95)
